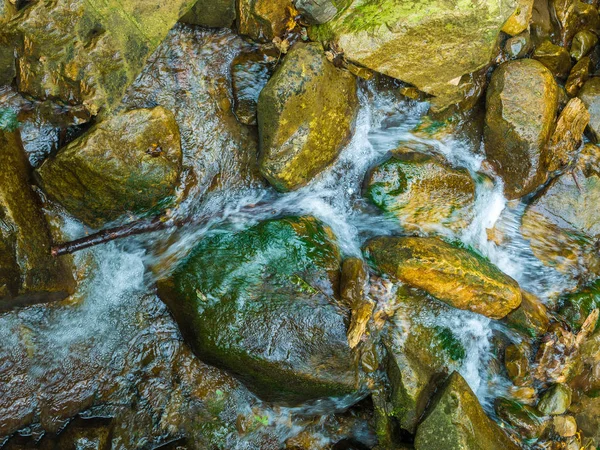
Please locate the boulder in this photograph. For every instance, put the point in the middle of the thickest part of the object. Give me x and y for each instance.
(305, 116)
(211, 13)
(422, 192)
(430, 45)
(522, 101)
(95, 49)
(264, 20)
(318, 11)
(260, 303)
(453, 275)
(562, 226)
(456, 421)
(129, 162)
(554, 57)
(590, 96)
(28, 272)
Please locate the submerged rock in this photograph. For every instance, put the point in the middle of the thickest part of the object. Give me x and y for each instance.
(28, 272)
(453, 275)
(522, 101)
(129, 162)
(424, 194)
(590, 96)
(576, 307)
(531, 318)
(211, 13)
(524, 419)
(455, 421)
(260, 303)
(419, 43)
(95, 48)
(305, 116)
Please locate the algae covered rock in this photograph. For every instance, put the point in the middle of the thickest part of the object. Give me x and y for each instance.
(260, 303)
(456, 421)
(590, 96)
(305, 116)
(453, 275)
(211, 13)
(576, 307)
(129, 162)
(554, 57)
(522, 101)
(94, 50)
(430, 44)
(424, 194)
(264, 20)
(28, 273)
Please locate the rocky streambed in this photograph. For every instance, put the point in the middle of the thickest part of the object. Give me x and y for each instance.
(367, 224)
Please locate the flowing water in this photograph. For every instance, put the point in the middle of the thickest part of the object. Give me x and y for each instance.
(113, 350)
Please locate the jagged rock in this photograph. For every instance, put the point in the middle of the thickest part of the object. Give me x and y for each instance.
(318, 11)
(590, 96)
(211, 13)
(578, 76)
(531, 318)
(453, 275)
(305, 116)
(522, 101)
(576, 307)
(455, 420)
(421, 44)
(519, 20)
(28, 273)
(264, 20)
(399, 186)
(265, 310)
(554, 57)
(574, 16)
(130, 162)
(353, 286)
(94, 50)
(567, 136)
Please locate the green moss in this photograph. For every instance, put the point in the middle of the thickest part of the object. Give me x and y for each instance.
(578, 306)
(448, 342)
(8, 120)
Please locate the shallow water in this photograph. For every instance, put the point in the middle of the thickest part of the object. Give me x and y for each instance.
(113, 349)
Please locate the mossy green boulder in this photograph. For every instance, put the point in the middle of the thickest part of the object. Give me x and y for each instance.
(420, 355)
(422, 192)
(305, 116)
(431, 44)
(456, 421)
(128, 163)
(211, 13)
(261, 303)
(522, 101)
(28, 272)
(95, 49)
(453, 275)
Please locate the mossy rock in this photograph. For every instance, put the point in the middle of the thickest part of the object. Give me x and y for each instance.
(261, 303)
(76, 62)
(522, 101)
(576, 307)
(305, 116)
(422, 193)
(28, 272)
(420, 355)
(554, 57)
(531, 318)
(453, 275)
(430, 44)
(128, 163)
(211, 14)
(456, 421)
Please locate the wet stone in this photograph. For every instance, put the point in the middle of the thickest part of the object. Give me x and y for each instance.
(556, 400)
(211, 13)
(579, 75)
(554, 57)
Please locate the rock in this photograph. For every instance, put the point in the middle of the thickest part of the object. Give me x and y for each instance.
(565, 426)
(554, 57)
(582, 44)
(555, 401)
(211, 13)
(129, 162)
(531, 318)
(516, 362)
(264, 20)
(519, 20)
(578, 76)
(576, 307)
(305, 116)
(573, 17)
(28, 273)
(353, 286)
(567, 136)
(524, 419)
(453, 275)
(394, 37)
(587, 415)
(250, 72)
(317, 11)
(95, 50)
(542, 26)
(400, 185)
(518, 46)
(562, 227)
(522, 100)
(265, 310)
(590, 96)
(420, 355)
(7, 51)
(455, 420)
